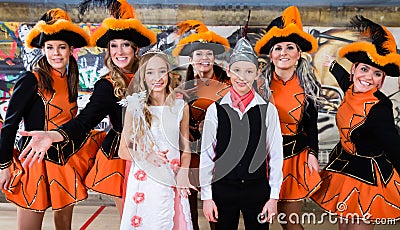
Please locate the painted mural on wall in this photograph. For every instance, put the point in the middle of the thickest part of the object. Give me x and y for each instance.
(15, 58)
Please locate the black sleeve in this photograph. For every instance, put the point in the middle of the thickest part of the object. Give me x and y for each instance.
(310, 127)
(382, 126)
(341, 75)
(98, 107)
(24, 91)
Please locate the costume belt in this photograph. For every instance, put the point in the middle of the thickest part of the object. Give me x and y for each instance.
(360, 167)
(294, 144)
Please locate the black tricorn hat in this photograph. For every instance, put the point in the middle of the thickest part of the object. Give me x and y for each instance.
(377, 47)
(56, 24)
(122, 25)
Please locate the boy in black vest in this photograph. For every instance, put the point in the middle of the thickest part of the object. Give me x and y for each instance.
(241, 153)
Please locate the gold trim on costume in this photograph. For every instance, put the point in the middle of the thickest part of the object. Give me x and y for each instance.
(5, 165)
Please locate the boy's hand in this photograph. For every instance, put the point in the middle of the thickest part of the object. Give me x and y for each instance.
(270, 209)
(210, 210)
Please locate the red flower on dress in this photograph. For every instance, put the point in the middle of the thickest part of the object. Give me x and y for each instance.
(140, 175)
(138, 197)
(175, 164)
(136, 221)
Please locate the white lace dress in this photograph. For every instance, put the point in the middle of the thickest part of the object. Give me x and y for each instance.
(151, 200)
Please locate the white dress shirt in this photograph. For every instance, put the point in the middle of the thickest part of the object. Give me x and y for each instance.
(274, 149)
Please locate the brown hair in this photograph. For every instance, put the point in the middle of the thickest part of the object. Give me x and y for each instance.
(43, 68)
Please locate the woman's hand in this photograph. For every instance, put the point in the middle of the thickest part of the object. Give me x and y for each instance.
(328, 62)
(39, 144)
(5, 178)
(183, 183)
(313, 163)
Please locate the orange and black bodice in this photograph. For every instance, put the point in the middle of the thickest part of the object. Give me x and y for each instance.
(297, 116)
(102, 102)
(368, 135)
(39, 110)
(208, 91)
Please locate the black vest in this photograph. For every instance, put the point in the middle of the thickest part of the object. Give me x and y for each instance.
(241, 144)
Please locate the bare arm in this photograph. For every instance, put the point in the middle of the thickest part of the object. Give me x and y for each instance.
(183, 173)
(124, 152)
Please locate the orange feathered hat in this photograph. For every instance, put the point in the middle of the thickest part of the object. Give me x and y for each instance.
(197, 36)
(56, 24)
(122, 25)
(286, 28)
(376, 47)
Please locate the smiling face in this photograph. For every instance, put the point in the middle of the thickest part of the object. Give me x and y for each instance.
(57, 53)
(156, 75)
(122, 53)
(284, 55)
(366, 77)
(203, 61)
(242, 75)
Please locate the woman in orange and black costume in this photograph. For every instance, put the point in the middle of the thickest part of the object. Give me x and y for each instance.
(361, 181)
(296, 94)
(44, 99)
(121, 35)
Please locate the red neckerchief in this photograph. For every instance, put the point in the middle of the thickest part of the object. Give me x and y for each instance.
(241, 102)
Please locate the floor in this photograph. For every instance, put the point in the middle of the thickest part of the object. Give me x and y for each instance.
(99, 213)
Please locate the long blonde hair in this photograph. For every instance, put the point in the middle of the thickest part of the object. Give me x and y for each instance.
(117, 75)
(140, 85)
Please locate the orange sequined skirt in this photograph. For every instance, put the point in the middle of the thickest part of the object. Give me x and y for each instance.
(350, 198)
(107, 175)
(47, 184)
(298, 183)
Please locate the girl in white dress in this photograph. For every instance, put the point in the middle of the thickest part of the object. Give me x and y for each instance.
(156, 131)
